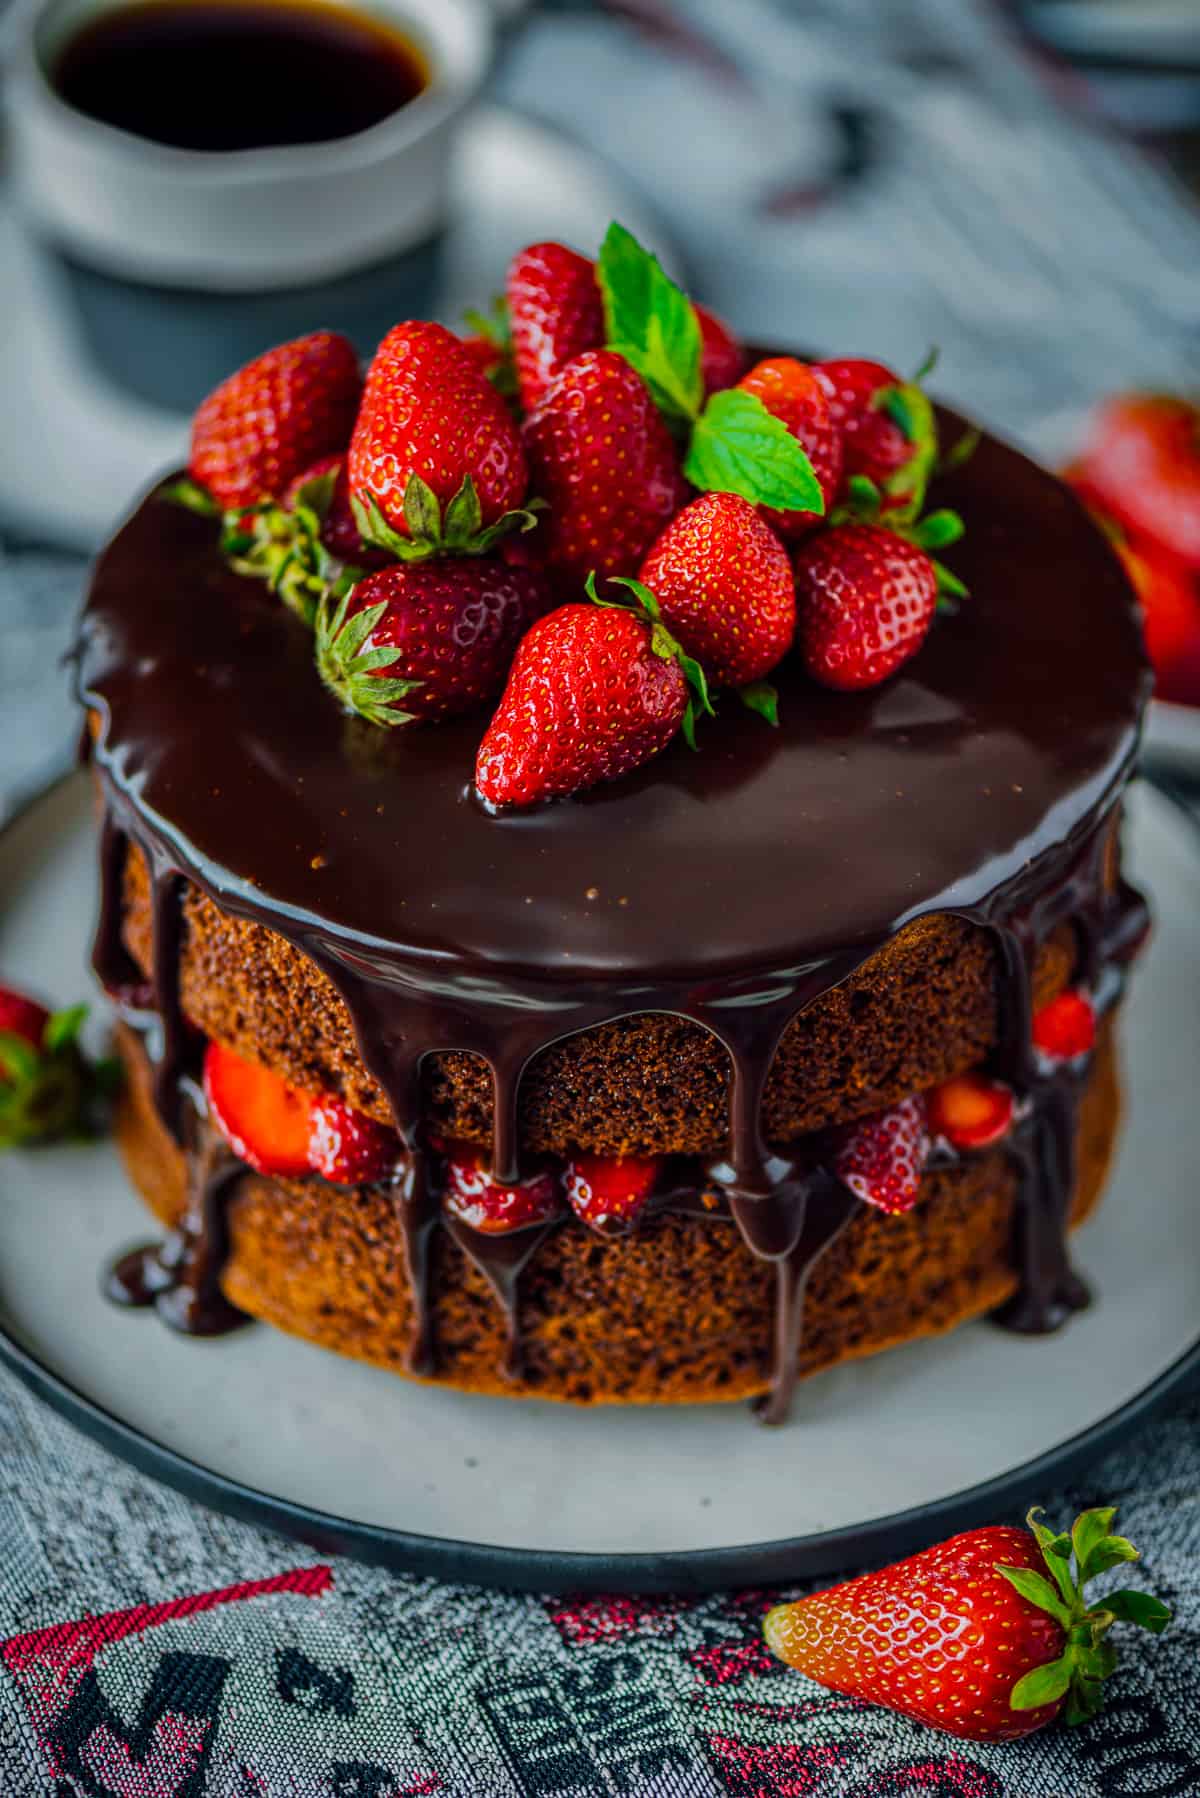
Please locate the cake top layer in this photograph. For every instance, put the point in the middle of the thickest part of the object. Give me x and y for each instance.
(762, 850)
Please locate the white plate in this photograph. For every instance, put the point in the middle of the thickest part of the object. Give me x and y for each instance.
(1173, 737)
(516, 1492)
(73, 449)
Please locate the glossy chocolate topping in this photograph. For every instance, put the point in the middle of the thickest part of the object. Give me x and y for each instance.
(761, 851)
(732, 886)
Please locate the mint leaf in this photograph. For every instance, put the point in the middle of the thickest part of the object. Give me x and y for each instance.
(739, 447)
(651, 322)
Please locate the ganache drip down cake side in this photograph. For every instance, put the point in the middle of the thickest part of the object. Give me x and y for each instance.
(705, 1067)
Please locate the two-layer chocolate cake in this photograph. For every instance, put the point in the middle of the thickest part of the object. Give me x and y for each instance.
(745, 1061)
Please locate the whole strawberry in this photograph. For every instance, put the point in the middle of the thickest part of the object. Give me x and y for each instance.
(988, 1636)
(48, 1088)
(435, 462)
(605, 461)
(722, 358)
(792, 392)
(1170, 602)
(271, 420)
(339, 528)
(555, 314)
(1143, 464)
(873, 443)
(427, 639)
(724, 587)
(595, 691)
(865, 599)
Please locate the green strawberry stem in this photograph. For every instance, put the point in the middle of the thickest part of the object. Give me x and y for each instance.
(1088, 1657)
(352, 672)
(456, 530)
(276, 544)
(53, 1091)
(733, 444)
(864, 505)
(663, 644)
(191, 496)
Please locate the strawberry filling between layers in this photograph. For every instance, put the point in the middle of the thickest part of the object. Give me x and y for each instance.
(274, 1129)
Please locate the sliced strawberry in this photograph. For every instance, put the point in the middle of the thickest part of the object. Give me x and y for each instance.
(601, 1188)
(348, 1147)
(265, 1121)
(971, 1112)
(1066, 1028)
(474, 1198)
(881, 1158)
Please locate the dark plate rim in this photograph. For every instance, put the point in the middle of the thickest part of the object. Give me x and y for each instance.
(558, 1571)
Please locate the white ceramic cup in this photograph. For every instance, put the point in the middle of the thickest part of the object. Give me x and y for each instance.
(246, 221)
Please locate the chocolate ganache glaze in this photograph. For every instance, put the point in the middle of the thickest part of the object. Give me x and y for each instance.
(731, 886)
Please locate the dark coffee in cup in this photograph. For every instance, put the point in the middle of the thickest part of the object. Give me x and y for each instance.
(239, 74)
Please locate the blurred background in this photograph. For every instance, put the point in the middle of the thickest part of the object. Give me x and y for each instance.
(1014, 181)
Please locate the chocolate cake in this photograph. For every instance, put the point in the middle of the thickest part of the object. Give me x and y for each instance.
(724, 958)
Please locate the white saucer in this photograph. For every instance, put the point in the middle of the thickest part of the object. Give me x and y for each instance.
(542, 1495)
(73, 449)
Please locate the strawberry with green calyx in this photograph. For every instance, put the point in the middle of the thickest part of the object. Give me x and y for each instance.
(662, 644)
(436, 463)
(724, 586)
(300, 545)
(48, 1087)
(888, 429)
(285, 546)
(733, 444)
(429, 531)
(426, 640)
(988, 1636)
(937, 530)
(595, 691)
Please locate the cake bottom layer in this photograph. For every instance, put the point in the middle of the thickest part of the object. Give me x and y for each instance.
(678, 1311)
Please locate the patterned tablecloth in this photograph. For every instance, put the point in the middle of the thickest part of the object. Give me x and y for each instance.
(903, 165)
